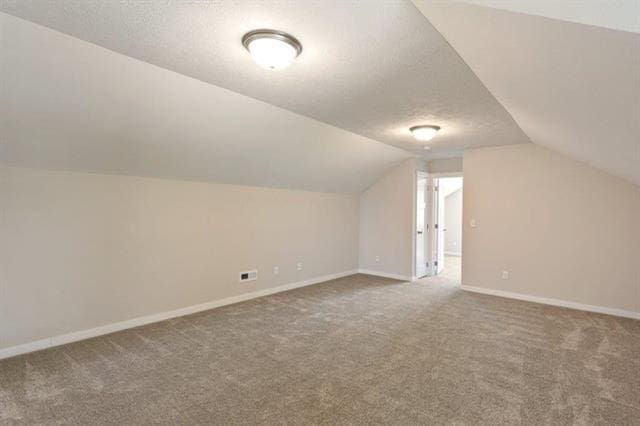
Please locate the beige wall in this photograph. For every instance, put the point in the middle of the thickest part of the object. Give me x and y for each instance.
(83, 250)
(445, 165)
(562, 229)
(386, 222)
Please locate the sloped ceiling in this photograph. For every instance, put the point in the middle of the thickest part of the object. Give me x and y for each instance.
(374, 68)
(571, 87)
(68, 104)
(613, 14)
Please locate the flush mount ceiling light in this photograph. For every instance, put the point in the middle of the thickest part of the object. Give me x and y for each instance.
(271, 49)
(424, 133)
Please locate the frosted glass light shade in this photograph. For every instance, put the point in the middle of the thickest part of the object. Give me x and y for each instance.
(424, 133)
(273, 50)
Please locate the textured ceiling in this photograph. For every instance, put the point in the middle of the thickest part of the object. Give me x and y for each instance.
(68, 104)
(571, 87)
(374, 69)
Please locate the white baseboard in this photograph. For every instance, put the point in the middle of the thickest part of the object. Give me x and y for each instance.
(136, 322)
(385, 275)
(553, 302)
(453, 253)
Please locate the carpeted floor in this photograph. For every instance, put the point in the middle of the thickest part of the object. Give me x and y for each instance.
(358, 350)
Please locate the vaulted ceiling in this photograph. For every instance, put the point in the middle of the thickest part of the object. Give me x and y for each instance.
(568, 72)
(67, 104)
(372, 69)
(166, 88)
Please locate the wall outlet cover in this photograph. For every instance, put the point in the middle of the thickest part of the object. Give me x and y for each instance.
(249, 275)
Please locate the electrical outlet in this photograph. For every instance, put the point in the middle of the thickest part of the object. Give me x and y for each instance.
(377, 258)
(299, 266)
(276, 270)
(505, 275)
(473, 223)
(249, 275)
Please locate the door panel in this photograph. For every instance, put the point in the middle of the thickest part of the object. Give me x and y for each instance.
(421, 222)
(441, 229)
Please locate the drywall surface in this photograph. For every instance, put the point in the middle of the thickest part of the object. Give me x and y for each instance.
(386, 223)
(614, 14)
(82, 250)
(94, 110)
(562, 229)
(571, 87)
(348, 74)
(453, 223)
(445, 165)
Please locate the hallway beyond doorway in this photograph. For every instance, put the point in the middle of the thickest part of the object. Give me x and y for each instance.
(452, 271)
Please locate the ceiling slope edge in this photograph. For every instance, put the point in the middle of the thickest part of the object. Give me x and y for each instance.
(579, 96)
(96, 110)
(375, 69)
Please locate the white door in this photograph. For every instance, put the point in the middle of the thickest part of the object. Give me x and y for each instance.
(421, 222)
(435, 226)
(431, 220)
(441, 228)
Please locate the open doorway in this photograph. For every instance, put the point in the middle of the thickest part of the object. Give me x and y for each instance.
(448, 227)
(438, 227)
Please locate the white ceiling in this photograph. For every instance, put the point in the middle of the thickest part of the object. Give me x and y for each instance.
(373, 69)
(571, 87)
(68, 104)
(621, 15)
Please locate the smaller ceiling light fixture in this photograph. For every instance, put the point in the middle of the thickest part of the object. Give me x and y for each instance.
(424, 133)
(271, 49)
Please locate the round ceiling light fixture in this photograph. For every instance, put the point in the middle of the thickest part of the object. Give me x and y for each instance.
(424, 133)
(271, 49)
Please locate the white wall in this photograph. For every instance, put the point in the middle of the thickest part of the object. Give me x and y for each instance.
(386, 222)
(453, 223)
(82, 250)
(564, 230)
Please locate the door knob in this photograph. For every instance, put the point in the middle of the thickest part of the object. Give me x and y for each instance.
(419, 232)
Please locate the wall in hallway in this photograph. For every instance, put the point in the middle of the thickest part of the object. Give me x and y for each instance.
(453, 224)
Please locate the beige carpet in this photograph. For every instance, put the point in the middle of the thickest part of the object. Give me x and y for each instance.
(358, 350)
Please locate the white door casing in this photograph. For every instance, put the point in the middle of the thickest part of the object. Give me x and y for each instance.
(421, 222)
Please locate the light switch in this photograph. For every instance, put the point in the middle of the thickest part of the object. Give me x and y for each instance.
(473, 223)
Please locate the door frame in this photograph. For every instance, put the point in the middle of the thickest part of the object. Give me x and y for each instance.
(430, 217)
(414, 241)
(433, 234)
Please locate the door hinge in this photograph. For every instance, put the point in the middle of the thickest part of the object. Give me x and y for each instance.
(435, 263)
(436, 226)
(427, 264)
